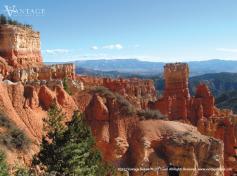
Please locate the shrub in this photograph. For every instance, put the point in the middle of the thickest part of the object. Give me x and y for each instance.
(126, 107)
(150, 114)
(3, 165)
(13, 137)
(66, 87)
(103, 91)
(22, 171)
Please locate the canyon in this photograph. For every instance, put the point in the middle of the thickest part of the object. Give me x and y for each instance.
(192, 132)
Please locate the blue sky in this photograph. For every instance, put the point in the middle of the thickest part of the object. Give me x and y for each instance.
(154, 30)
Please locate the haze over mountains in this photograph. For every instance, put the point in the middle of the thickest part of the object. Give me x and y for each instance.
(138, 67)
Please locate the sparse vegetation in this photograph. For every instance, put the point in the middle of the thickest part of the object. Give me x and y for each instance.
(150, 114)
(12, 137)
(103, 91)
(3, 164)
(126, 107)
(22, 171)
(7, 20)
(66, 87)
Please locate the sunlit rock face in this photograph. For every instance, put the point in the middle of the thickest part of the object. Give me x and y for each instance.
(128, 142)
(46, 72)
(20, 46)
(199, 110)
(138, 91)
(177, 103)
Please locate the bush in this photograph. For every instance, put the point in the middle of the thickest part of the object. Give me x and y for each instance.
(13, 137)
(126, 107)
(66, 87)
(22, 171)
(3, 165)
(150, 114)
(103, 91)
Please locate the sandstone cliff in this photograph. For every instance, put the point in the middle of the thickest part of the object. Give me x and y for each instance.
(20, 46)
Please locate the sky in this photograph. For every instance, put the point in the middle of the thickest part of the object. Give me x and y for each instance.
(152, 30)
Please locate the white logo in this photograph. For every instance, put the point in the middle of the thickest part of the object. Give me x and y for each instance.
(14, 11)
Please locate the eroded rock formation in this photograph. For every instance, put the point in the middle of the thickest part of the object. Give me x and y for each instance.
(139, 92)
(199, 110)
(25, 106)
(20, 46)
(59, 71)
(131, 143)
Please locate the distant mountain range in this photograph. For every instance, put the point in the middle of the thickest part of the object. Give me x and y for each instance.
(138, 67)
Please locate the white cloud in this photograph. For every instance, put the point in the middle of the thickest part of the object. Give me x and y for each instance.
(94, 47)
(110, 47)
(113, 46)
(55, 51)
(230, 50)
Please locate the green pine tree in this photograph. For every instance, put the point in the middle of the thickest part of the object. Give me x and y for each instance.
(70, 150)
(3, 19)
(66, 86)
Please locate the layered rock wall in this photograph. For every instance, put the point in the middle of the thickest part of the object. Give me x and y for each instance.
(20, 46)
(59, 71)
(139, 92)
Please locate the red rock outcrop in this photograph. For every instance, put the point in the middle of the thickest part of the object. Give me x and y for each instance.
(177, 102)
(4, 67)
(20, 46)
(59, 71)
(24, 105)
(131, 143)
(199, 110)
(89, 80)
(138, 91)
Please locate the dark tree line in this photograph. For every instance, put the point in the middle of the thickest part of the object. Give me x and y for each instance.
(7, 20)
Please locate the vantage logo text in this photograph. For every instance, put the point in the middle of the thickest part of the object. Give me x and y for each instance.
(12, 11)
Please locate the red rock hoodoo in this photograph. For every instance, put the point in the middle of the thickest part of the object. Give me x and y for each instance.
(199, 110)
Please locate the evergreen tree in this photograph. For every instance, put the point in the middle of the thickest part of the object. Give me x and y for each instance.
(70, 150)
(3, 19)
(66, 87)
(3, 165)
